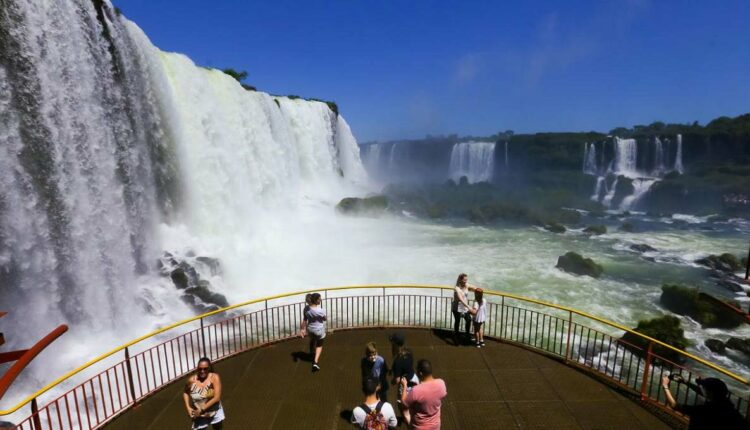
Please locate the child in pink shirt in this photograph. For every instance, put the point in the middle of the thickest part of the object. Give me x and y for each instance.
(425, 399)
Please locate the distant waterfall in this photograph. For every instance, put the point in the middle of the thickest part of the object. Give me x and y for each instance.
(626, 157)
(642, 171)
(506, 153)
(678, 158)
(475, 160)
(589, 159)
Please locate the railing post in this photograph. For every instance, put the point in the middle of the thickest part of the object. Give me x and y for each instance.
(646, 368)
(203, 340)
(35, 415)
(268, 337)
(129, 371)
(570, 327)
(502, 320)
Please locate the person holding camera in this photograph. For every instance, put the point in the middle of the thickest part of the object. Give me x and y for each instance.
(717, 412)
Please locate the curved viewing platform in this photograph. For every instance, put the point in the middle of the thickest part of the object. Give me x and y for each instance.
(545, 366)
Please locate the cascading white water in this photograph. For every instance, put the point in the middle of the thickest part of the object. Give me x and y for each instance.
(625, 163)
(600, 183)
(506, 153)
(640, 188)
(393, 158)
(659, 157)
(475, 160)
(610, 194)
(112, 152)
(589, 159)
(626, 157)
(678, 157)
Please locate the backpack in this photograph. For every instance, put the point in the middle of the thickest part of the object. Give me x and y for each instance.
(374, 420)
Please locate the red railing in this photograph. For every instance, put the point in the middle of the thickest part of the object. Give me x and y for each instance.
(558, 332)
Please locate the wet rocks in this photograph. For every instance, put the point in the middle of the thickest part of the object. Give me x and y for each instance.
(595, 229)
(627, 227)
(666, 329)
(723, 263)
(185, 276)
(715, 345)
(741, 345)
(574, 263)
(688, 301)
(642, 247)
(356, 205)
(555, 227)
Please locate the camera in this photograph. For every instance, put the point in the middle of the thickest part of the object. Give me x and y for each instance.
(676, 377)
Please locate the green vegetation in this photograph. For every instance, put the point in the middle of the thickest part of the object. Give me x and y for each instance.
(574, 263)
(239, 75)
(688, 301)
(666, 329)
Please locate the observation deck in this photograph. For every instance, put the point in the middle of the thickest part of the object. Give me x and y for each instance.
(544, 366)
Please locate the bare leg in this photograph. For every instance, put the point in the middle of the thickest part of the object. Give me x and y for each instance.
(318, 350)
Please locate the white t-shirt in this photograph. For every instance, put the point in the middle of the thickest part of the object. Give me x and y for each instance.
(358, 414)
(460, 308)
(481, 311)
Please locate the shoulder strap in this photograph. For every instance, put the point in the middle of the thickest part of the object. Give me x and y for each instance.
(365, 408)
(379, 406)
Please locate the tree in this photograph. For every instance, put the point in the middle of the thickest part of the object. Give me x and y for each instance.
(240, 75)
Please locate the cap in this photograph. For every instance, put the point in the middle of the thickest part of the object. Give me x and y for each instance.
(397, 338)
(713, 386)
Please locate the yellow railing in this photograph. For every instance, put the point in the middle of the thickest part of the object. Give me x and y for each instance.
(383, 288)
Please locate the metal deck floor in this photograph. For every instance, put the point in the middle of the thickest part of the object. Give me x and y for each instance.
(498, 387)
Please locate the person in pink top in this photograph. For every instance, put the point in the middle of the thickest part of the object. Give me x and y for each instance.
(424, 400)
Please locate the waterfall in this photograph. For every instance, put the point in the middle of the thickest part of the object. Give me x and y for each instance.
(112, 152)
(607, 200)
(589, 159)
(506, 153)
(626, 157)
(392, 160)
(678, 158)
(625, 163)
(659, 157)
(641, 187)
(600, 182)
(475, 160)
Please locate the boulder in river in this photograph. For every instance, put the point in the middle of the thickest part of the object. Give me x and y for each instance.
(688, 301)
(555, 227)
(627, 227)
(196, 291)
(575, 263)
(715, 345)
(642, 247)
(741, 345)
(666, 329)
(724, 263)
(596, 229)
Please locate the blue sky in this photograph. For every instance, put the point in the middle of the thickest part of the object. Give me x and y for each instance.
(404, 69)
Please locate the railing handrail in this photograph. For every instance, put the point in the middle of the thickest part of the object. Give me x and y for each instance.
(183, 322)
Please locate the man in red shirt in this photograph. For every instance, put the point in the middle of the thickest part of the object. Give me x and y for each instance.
(424, 400)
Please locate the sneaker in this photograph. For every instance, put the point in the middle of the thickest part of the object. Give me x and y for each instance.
(479, 345)
(315, 367)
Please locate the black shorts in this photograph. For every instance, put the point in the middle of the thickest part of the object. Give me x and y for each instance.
(317, 341)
